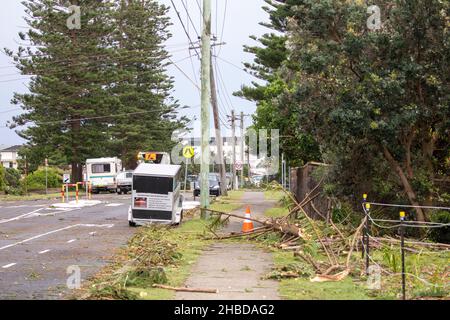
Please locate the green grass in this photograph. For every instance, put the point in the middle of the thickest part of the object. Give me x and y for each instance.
(303, 289)
(191, 244)
(233, 195)
(273, 194)
(228, 203)
(30, 197)
(276, 212)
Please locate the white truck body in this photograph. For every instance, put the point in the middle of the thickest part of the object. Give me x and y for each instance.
(156, 195)
(102, 173)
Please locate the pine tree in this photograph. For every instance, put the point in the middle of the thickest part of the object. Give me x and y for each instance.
(143, 86)
(100, 90)
(69, 76)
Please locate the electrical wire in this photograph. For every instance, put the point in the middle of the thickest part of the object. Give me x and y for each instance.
(223, 25)
(184, 27)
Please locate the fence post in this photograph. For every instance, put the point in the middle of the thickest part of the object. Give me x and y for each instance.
(76, 193)
(402, 244)
(363, 251)
(367, 244)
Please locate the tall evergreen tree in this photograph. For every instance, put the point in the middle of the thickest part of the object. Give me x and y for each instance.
(100, 90)
(143, 86)
(269, 65)
(69, 75)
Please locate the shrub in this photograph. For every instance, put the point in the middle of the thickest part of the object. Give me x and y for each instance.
(440, 234)
(2, 178)
(36, 180)
(12, 177)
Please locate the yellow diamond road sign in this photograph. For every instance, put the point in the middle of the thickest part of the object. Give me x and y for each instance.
(188, 152)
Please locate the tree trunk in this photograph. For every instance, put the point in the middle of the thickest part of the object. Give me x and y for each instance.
(405, 182)
(77, 168)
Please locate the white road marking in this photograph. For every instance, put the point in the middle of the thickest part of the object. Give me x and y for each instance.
(21, 216)
(9, 265)
(55, 231)
(37, 213)
(114, 204)
(44, 251)
(73, 240)
(25, 206)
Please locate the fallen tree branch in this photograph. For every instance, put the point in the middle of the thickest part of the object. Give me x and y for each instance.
(277, 225)
(184, 289)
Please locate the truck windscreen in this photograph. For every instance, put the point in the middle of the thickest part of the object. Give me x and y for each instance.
(158, 185)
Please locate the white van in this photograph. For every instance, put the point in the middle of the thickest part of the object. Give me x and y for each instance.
(102, 173)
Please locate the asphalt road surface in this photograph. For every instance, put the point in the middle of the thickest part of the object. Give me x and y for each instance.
(39, 243)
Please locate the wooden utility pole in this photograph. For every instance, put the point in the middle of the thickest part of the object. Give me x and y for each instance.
(205, 102)
(233, 134)
(219, 140)
(242, 149)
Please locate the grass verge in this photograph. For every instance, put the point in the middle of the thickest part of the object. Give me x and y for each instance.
(155, 255)
(273, 194)
(30, 197)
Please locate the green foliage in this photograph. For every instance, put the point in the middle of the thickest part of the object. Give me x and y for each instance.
(12, 177)
(372, 104)
(440, 234)
(36, 180)
(2, 178)
(98, 91)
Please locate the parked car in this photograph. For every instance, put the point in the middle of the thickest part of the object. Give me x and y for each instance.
(256, 180)
(214, 185)
(124, 181)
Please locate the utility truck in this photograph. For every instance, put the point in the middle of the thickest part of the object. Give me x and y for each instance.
(153, 157)
(156, 195)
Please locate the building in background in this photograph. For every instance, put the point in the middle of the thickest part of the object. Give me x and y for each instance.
(9, 157)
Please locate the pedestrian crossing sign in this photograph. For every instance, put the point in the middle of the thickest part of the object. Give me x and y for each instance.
(188, 152)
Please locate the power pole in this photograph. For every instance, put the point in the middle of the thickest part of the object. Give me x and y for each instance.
(242, 149)
(219, 140)
(205, 102)
(233, 161)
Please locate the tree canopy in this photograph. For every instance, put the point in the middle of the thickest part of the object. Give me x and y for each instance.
(376, 103)
(100, 90)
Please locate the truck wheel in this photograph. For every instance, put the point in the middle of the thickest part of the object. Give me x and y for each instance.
(132, 224)
(119, 191)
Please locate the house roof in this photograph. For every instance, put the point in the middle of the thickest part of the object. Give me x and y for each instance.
(15, 148)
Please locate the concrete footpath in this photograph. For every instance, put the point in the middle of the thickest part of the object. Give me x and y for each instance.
(235, 269)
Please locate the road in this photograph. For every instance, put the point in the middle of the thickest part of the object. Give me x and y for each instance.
(38, 243)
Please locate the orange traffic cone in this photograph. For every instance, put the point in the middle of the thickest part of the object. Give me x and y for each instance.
(247, 226)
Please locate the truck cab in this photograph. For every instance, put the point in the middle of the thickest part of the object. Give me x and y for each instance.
(124, 181)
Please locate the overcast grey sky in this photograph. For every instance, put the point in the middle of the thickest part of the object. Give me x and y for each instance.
(241, 20)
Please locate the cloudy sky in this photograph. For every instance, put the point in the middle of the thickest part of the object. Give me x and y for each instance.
(232, 26)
